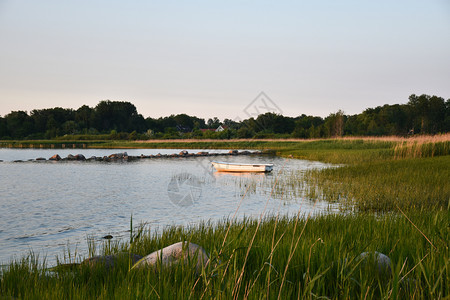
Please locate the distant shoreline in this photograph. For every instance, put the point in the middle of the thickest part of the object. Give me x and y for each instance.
(415, 138)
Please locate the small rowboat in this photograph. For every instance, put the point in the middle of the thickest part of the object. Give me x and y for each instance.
(238, 167)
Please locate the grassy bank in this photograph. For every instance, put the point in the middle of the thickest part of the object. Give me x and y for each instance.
(395, 195)
(385, 186)
(289, 258)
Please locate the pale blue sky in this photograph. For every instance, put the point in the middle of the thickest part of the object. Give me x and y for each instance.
(210, 58)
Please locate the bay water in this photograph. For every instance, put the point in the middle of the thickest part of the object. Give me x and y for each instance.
(51, 207)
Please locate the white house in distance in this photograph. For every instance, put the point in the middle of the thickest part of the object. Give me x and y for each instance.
(218, 129)
(221, 128)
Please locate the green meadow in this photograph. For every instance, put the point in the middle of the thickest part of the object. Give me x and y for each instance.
(394, 197)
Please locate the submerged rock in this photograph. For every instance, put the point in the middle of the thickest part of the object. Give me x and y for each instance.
(40, 158)
(176, 253)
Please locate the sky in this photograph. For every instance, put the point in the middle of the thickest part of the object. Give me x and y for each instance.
(214, 58)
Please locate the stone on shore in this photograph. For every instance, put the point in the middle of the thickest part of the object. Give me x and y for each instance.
(381, 261)
(176, 253)
(109, 260)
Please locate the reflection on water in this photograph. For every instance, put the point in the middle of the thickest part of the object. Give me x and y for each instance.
(47, 206)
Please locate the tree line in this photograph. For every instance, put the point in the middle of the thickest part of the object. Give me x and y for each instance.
(422, 114)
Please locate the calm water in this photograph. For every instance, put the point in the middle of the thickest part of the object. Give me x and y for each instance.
(48, 207)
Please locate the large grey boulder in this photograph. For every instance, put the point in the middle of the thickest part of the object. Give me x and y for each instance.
(176, 253)
(381, 261)
(108, 261)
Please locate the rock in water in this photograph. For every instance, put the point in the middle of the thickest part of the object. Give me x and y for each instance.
(55, 157)
(182, 251)
(80, 157)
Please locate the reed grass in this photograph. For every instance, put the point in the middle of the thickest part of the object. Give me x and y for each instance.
(323, 263)
(380, 186)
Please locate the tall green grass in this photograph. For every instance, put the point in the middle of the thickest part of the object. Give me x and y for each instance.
(384, 186)
(290, 258)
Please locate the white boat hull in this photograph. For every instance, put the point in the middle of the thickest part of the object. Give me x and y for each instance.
(237, 167)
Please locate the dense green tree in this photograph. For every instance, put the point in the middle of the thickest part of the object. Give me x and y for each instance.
(334, 124)
(85, 117)
(213, 123)
(3, 128)
(303, 125)
(351, 126)
(184, 121)
(118, 115)
(275, 123)
(231, 124)
(428, 113)
(152, 124)
(19, 124)
(436, 114)
(51, 119)
(165, 123)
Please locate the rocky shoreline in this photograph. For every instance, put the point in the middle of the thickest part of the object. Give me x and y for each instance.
(124, 157)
